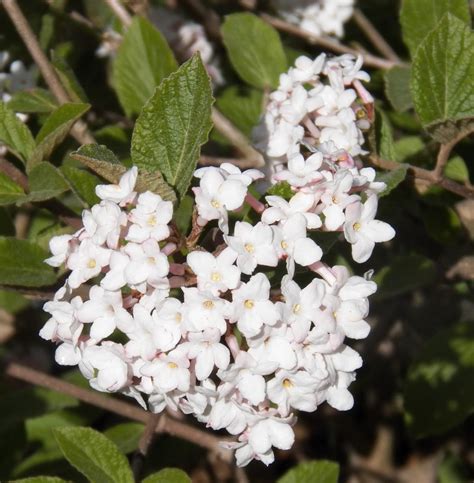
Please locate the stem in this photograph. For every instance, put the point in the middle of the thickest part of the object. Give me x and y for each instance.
(79, 130)
(167, 425)
(120, 12)
(144, 444)
(254, 203)
(239, 140)
(326, 43)
(374, 36)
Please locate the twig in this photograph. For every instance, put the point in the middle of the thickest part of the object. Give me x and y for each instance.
(28, 293)
(14, 173)
(119, 11)
(79, 130)
(167, 425)
(239, 140)
(326, 43)
(374, 36)
(152, 426)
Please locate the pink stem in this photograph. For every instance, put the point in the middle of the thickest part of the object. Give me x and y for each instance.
(325, 271)
(177, 269)
(232, 344)
(169, 248)
(177, 282)
(254, 203)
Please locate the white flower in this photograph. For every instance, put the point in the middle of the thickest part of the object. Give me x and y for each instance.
(216, 274)
(301, 172)
(86, 262)
(168, 328)
(105, 366)
(252, 307)
(122, 192)
(203, 310)
(150, 218)
(291, 241)
(60, 247)
(103, 223)
(206, 349)
(253, 245)
(104, 310)
(147, 265)
(281, 210)
(363, 231)
(68, 354)
(275, 348)
(168, 372)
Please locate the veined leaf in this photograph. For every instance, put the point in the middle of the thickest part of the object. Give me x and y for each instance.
(46, 182)
(143, 60)
(313, 471)
(10, 192)
(33, 101)
(168, 475)
(174, 124)
(15, 134)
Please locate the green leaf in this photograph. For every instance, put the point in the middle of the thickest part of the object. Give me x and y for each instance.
(242, 107)
(442, 86)
(456, 170)
(68, 79)
(282, 189)
(40, 479)
(143, 60)
(453, 470)
(55, 129)
(392, 178)
(104, 162)
(408, 147)
(10, 192)
(443, 224)
(15, 134)
(82, 183)
(184, 213)
(168, 475)
(22, 263)
(174, 124)
(311, 472)
(12, 302)
(46, 182)
(442, 376)
(404, 274)
(385, 143)
(33, 101)
(91, 453)
(420, 17)
(255, 49)
(397, 88)
(126, 436)
(325, 240)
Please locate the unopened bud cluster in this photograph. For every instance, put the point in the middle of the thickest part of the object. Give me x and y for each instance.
(225, 331)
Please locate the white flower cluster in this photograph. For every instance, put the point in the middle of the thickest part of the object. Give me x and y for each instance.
(320, 17)
(224, 333)
(312, 136)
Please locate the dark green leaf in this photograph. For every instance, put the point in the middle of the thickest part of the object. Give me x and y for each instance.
(126, 436)
(255, 49)
(311, 472)
(46, 182)
(68, 79)
(55, 129)
(10, 192)
(184, 213)
(392, 178)
(174, 124)
(104, 162)
(420, 17)
(93, 455)
(82, 183)
(12, 302)
(325, 240)
(456, 170)
(168, 475)
(385, 144)
(404, 274)
(442, 86)
(33, 101)
(441, 376)
(242, 108)
(442, 224)
(15, 134)
(143, 60)
(40, 479)
(282, 189)
(22, 263)
(397, 88)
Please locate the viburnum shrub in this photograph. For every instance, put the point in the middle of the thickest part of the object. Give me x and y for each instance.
(189, 214)
(227, 325)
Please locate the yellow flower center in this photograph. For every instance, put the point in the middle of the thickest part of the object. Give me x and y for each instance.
(284, 245)
(172, 365)
(91, 263)
(208, 304)
(216, 277)
(178, 317)
(357, 226)
(215, 204)
(249, 304)
(296, 308)
(151, 220)
(287, 383)
(151, 260)
(249, 248)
